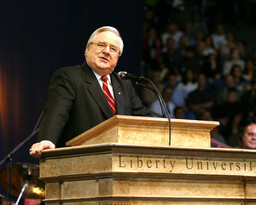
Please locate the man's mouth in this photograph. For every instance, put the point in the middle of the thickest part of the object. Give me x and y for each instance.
(253, 142)
(104, 59)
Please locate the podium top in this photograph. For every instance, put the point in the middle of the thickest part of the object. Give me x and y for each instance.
(147, 131)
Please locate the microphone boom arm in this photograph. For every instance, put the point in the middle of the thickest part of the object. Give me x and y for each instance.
(123, 75)
(161, 101)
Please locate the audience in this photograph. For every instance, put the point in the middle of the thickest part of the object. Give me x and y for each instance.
(188, 42)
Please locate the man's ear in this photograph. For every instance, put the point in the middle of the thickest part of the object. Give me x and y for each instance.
(86, 51)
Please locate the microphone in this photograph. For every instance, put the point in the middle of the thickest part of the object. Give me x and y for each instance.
(123, 75)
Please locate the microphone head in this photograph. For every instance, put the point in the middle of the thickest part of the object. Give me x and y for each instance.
(122, 75)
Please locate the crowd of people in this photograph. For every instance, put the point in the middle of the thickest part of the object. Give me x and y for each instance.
(201, 69)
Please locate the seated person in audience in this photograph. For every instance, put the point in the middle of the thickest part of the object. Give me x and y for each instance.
(250, 70)
(249, 137)
(231, 44)
(230, 115)
(172, 56)
(148, 97)
(155, 107)
(219, 37)
(188, 83)
(243, 51)
(181, 113)
(234, 60)
(249, 102)
(177, 97)
(172, 32)
(221, 95)
(241, 84)
(201, 99)
(190, 61)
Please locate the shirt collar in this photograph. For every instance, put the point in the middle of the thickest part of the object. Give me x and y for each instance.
(99, 77)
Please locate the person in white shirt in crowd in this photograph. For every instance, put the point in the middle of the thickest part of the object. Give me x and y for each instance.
(219, 37)
(234, 60)
(174, 33)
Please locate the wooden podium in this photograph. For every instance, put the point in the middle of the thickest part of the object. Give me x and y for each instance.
(128, 160)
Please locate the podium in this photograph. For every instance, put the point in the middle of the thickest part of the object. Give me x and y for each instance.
(128, 160)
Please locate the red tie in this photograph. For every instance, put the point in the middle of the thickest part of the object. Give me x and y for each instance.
(108, 95)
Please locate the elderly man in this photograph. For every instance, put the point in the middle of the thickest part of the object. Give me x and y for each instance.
(249, 137)
(82, 96)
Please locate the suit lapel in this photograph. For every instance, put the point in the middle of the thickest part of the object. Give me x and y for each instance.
(97, 93)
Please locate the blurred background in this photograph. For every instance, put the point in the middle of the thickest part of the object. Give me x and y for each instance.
(206, 46)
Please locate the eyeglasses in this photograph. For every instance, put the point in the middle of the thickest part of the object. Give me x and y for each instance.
(114, 50)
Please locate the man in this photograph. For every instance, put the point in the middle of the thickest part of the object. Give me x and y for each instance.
(249, 137)
(201, 99)
(76, 101)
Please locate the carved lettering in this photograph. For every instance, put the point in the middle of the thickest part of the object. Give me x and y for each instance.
(139, 162)
(121, 164)
(157, 161)
(191, 163)
(172, 163)
(199, 165)
(215, 165)
(207, 165)
(238, 166)
(223, 166)
(164, 164)
(131, 162)
(149, 163)
(230, 166)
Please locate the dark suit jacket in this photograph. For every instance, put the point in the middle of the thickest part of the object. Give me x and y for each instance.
(76, 103)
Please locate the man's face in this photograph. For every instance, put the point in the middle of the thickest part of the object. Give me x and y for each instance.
(249, 138)
(103, 54)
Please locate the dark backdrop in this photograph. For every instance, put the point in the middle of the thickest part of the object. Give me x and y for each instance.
(39, 36)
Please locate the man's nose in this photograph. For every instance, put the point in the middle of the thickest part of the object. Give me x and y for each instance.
(106, 49)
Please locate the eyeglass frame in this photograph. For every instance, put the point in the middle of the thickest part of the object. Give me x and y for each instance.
(105, 45)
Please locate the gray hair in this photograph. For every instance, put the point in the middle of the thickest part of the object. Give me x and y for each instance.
(106, 28)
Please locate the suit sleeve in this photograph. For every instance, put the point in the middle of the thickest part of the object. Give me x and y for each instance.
(60, 101)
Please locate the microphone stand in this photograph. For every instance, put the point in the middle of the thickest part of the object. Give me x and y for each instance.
(8, 158)
(160, 98)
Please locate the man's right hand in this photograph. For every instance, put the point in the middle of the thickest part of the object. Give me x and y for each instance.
(37, 148)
